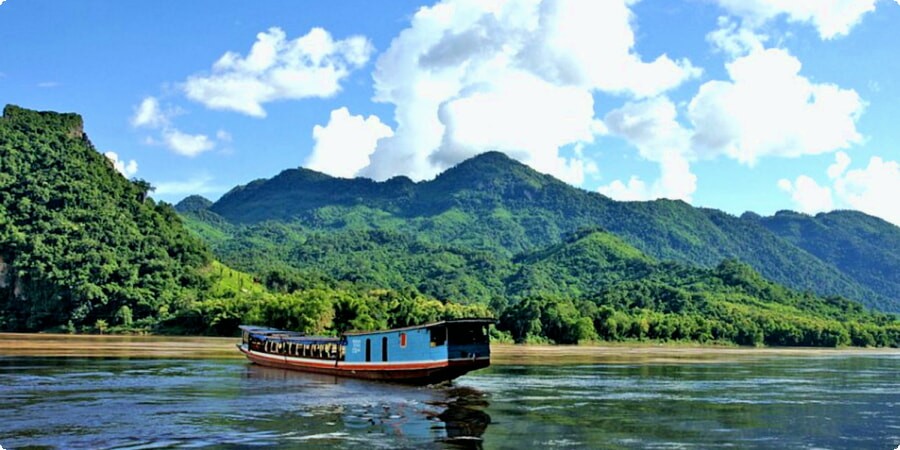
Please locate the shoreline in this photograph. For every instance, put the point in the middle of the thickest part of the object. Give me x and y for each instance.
(198, 347)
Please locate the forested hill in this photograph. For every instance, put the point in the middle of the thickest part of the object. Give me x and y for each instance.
(864, 247)
(494, 204)
(84, 249)
(78, 242)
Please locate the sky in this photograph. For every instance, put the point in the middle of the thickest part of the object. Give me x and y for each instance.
(739, 105)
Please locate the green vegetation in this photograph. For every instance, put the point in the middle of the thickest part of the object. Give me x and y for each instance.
(592, 286)
(79, 244)
(495, 204)
(860, 245)
(83, 249)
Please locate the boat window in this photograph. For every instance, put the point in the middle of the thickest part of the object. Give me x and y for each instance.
(438, 335)
(368, 350)
(467, 334)
(402, 340)
(384, 355)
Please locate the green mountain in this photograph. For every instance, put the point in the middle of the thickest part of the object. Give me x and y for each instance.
(591, 285)
(78, 242)
(193, 203)
(494, 204)
(82, 248)
(594, 282)
(862, 246)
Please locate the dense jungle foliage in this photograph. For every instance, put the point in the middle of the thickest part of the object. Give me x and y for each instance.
(84, 249)
(494, 204)
(78, 242)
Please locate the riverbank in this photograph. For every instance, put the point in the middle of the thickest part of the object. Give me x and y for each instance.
(90, 346)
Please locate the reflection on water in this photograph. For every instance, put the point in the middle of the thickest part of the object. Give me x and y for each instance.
(121, 403)
(783, 402)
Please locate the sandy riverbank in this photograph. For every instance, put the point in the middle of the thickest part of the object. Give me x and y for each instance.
(19, 344)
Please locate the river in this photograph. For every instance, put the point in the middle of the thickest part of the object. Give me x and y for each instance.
(748, 399)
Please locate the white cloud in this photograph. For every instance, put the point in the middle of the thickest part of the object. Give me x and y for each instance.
(127, 169)
(276, 68)
(187, 144)
(652, 126)
(832, 18)
(735, 40)
(518, 76)
(769, 109)
(635, 190)
(676, 182)
(48, 84)
(807, 195)
(872, 190)
(841, 162)
(343, 145)
(149, 114)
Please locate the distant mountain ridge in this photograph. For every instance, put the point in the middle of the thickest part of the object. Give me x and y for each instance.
(82, 249)
(494, 203)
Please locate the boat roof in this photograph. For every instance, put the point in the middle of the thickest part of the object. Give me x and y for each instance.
(299, 336)
(474, 320)
(292, 336)
(270, 331)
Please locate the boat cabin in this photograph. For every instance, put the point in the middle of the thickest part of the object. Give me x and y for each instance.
(449, 340)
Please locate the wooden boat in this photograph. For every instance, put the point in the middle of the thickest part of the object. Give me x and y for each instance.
(423, 354)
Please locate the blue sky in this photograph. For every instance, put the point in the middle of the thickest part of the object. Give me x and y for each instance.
(739, 105)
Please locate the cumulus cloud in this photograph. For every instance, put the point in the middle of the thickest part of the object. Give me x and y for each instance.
(841, 162)
(832, 18)
(344, 144)
(187, 144)
(277, 68)
(769, 109)
(149, 114)
(766, 108)
(652, 127)
(127, 169)
(735, 40)
(872, 189)
(807, 195)
(518, 76)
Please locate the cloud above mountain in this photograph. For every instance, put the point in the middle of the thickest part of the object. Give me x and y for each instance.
(278, 68)
(517, 76)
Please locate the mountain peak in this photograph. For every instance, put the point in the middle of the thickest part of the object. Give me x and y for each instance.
(72, 124)
(492, 172)
(193, 203)
(492, 160)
